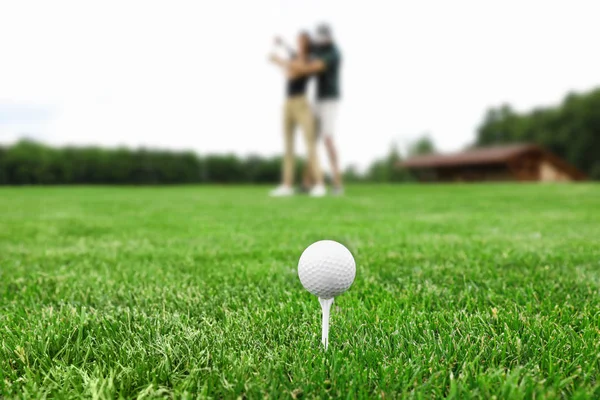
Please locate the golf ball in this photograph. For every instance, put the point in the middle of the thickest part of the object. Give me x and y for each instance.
(326, 269)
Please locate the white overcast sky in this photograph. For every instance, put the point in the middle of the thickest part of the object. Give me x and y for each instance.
(193, 74)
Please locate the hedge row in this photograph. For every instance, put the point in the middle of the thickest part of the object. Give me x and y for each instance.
(30, 163)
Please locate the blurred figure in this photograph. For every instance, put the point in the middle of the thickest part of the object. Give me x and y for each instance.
(325, 63)
(297, 112)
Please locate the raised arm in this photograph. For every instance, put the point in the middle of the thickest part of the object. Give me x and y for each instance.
(300, 67)
(296, 68)
(279, 61)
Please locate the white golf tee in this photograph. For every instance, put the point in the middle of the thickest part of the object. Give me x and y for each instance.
(325, 308)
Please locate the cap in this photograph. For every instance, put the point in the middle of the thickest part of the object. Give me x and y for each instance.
(323, 33)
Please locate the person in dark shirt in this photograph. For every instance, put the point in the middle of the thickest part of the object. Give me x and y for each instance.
(325, 65)
(297, 112)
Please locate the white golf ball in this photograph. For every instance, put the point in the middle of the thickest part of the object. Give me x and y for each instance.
(326, 269)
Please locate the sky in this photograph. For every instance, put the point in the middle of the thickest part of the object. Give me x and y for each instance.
(194, 74)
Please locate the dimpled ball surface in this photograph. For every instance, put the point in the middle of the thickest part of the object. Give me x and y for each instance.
(326, 269)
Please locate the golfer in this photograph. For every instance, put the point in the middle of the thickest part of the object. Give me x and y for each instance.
(297, 112)
(325, 64)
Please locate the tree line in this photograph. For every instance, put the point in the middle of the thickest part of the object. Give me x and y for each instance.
(29, 163)
(570, 130)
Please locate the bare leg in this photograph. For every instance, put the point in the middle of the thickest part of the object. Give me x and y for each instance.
(335, 169)
(307, 180)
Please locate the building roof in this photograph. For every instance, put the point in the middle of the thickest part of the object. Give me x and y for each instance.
(480, 155)
(489, 155)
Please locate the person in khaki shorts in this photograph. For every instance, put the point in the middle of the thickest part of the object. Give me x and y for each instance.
(297, 113)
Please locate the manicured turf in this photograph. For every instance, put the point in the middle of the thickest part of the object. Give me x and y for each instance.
(461, 291)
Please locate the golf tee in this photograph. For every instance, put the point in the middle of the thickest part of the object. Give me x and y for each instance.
(325, 308)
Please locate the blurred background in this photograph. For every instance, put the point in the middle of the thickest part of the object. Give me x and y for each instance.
(181, 92)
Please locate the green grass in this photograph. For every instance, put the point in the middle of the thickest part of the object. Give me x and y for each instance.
(461, 291)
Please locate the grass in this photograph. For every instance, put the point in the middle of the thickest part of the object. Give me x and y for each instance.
(461, 291)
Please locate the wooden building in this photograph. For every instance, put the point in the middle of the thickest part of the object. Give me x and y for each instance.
(519, 162)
